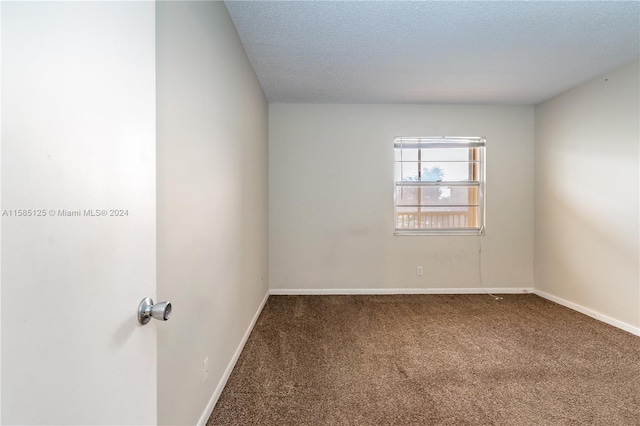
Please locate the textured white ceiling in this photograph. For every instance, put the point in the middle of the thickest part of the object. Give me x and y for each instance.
(433, 52)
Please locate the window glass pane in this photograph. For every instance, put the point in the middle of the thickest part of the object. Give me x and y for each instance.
(436, 218)
(433, 171)
(436, 195)
(407, 171)
(451, 195)
(445, 154)
(408, 218)
(407, 195)
(446, 172)
(433, 164)
(406, 154)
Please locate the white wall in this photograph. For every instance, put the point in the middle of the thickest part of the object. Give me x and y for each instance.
(331, 217)
(78, 132)
(212, 201)
(0, 208)
(586, 191)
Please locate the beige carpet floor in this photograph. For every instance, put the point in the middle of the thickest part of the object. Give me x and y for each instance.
(431, 360)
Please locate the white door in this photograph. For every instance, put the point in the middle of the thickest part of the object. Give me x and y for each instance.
(78, 212)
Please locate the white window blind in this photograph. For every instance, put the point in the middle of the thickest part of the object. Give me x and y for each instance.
(439, 185)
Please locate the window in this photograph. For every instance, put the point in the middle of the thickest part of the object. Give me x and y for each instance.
(439, 185)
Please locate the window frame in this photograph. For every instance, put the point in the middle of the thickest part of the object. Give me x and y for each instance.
(477, 178)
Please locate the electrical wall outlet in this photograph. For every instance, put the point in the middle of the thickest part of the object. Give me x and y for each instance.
(205, 369)
(419, 271)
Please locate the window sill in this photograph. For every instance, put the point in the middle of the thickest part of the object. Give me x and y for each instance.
(443, 232)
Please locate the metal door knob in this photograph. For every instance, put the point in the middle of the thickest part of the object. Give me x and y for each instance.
(147, 310)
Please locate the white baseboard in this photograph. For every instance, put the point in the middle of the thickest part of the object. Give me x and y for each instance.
(365, 291)
(223, 381)
(593, 314)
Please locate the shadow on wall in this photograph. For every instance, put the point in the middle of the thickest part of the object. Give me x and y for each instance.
(587, 258)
